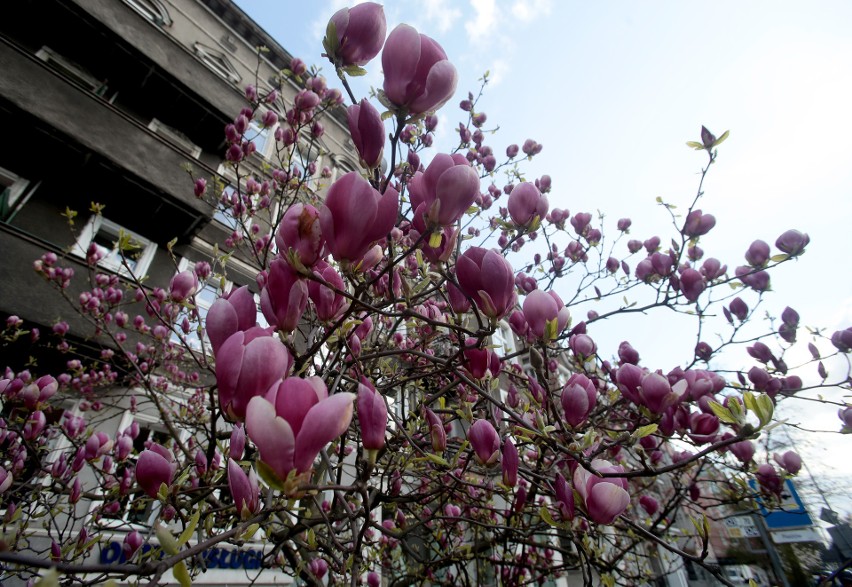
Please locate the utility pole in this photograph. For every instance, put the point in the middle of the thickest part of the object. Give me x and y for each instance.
(774, 559)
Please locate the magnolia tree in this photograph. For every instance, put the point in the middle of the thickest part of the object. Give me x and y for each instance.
(376, 422)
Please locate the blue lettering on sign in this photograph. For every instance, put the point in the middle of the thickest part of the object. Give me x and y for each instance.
(214, 558)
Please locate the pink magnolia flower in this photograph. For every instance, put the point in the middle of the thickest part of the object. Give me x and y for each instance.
(793, 242)
(6, 479)
(284, 297)
(437, 431)
(183, 285)
(698, 224)
(526, 202)
(564, 497)
(132, 543)
(545, 313)
(845, 415)
(691, 284)
(231, 313)
(154, 467)
(368, 132)
(238, 442)
(649, 504)
(743, 450)
(480, 363)
(295, 421)
(418, 76)
(769, 479)
(459, 302)
(486, 277)
(510, 462)
(40, 390)
(247, 365)
(244, 490)
(790, 461)
(757, 254)
(329, 304)
(704, 427)
(360, 34)
(355, 216)
(445, 191)
(656, 393)
(605, 497)
(300, 232)
(372, 415)
(579, 398)
(485, 442)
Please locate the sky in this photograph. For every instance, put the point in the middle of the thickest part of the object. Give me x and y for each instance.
(613, 90)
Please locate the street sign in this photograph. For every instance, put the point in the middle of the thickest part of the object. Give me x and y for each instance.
(791, 512)
(800, 535)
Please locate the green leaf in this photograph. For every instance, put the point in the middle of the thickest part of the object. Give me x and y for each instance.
(181, 574)
(748, 399)
(167, 541)
(765, 409)
(269, 477)
(735, 406)
(438, 460)
(49, 579)
(330, 42)
(190, 528)
(644, 431)
(355, 71)
(779, 257)
(550, 329)
(435, 239)
(723, 413)
(544, 513)
(695, 145)
(721, 139)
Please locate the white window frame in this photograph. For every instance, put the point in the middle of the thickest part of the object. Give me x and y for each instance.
(217, 62)
(175, 137)
(97, 224)
(504, 339)
(17, 191)
(152, 10)
(74, 71)
(267, 135)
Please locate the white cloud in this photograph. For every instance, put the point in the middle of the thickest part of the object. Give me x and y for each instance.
(484, 22)
(498, 72)
(439, 12)
(527, 10)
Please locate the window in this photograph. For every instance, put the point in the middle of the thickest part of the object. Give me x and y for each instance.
(71, 70)
(503, 339)
(176, 138)
(227, 217)
(153, 10)
(106, 236)
(14, 193)
(260, 137)
(217, 61)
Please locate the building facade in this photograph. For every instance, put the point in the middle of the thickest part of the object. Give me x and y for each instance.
(113, 108)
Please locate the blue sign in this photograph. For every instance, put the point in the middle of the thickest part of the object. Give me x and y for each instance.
(790, 513)
(214, 558)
